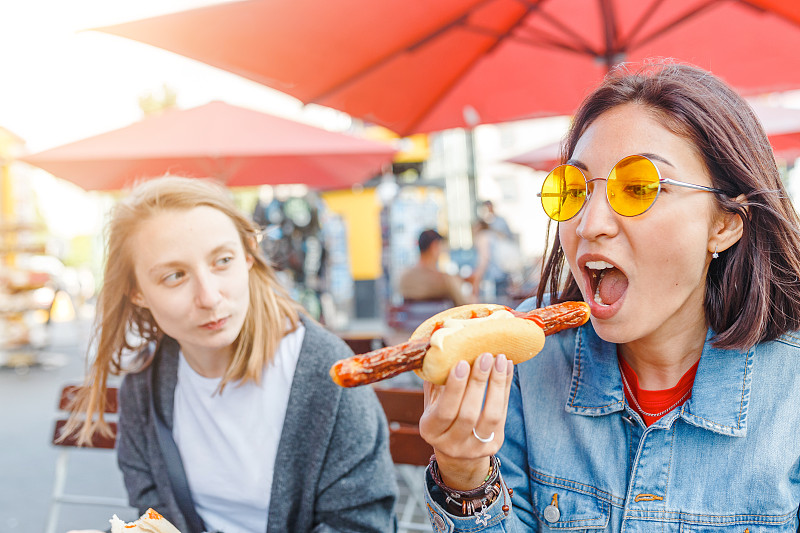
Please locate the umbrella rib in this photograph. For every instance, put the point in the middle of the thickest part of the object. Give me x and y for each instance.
(641, 21)
(584, 46)
(546, 41)
(774, 10)
(392, 54)
(497, 37)
(455, 79)
(692, 12)
(609, 22)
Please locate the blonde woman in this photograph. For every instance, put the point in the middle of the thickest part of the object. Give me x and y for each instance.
(228, 419)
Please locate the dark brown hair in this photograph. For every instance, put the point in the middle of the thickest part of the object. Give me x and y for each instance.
(426, 238)
(752, 289)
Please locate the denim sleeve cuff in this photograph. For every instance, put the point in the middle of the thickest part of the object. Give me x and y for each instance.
(526, 305)
(445, 522)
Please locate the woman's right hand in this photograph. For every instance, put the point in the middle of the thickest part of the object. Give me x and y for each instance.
(454, 409)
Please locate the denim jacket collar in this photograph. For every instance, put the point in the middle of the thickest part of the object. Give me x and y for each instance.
(720, 394)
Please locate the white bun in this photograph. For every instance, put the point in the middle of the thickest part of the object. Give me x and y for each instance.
(517, 338)
(461, 312)
(149, 522)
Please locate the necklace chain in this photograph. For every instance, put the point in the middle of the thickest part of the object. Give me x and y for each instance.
(653, 415)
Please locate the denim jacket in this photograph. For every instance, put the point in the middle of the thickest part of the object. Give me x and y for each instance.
(579, 459)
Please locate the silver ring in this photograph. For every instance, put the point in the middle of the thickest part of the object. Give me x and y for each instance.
(488, 439)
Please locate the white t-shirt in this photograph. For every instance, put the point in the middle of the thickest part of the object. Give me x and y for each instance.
(228, 442)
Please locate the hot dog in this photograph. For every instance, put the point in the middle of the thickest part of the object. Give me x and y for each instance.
(462, 332)
(149, 522)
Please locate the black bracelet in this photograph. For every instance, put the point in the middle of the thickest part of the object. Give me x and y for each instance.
(467, 503)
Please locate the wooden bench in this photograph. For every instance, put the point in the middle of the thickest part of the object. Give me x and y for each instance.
(403, 408)
(410, 452)
(411, 313)
(363, 342)
(99, 442)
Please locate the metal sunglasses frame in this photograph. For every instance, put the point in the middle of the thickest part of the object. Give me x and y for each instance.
(661, 180)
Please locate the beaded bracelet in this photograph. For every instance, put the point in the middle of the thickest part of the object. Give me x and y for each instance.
(475, 501)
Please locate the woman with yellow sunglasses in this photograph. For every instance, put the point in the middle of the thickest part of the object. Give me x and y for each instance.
(676, 407)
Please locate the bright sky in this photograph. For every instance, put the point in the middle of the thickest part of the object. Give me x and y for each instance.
(61, 84)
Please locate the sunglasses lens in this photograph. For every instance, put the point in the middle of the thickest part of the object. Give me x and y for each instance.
(632, 186)
(563, 192)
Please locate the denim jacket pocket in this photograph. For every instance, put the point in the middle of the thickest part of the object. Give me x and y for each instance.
(564, 505)
(740, 523)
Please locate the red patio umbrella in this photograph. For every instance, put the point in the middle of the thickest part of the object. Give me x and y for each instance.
(781, 124)
(544, 158)
(237, 146)
(431, 65)
(783, 128)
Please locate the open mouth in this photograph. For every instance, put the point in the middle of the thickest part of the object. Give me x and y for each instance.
(607, 281)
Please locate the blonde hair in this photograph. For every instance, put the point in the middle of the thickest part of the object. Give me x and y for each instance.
(122, 328)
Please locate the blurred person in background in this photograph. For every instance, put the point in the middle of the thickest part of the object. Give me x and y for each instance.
(424, 281)
(495, 221)
(497, 261)
(229, 396)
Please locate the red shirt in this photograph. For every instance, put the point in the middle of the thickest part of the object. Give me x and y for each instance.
(653, 404)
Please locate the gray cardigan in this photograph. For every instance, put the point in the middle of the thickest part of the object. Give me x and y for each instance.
(333, 470)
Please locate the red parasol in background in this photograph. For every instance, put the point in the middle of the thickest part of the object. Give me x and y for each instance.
(781, 124)
(783, 128)
(544, 158)
(428, 66)
(237, 146)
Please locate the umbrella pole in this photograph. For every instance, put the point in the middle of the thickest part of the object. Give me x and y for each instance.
(6, 209)
(471, 174)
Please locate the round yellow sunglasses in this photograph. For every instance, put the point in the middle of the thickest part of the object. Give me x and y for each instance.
(632, 187)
